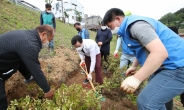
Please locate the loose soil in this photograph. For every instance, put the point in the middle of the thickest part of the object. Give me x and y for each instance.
(112, 99)
(63, 68)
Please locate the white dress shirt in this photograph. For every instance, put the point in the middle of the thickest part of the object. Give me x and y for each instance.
(91, 49)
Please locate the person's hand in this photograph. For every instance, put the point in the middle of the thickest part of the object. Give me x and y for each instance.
(116, 53)
(130, 84)
(49, 95)
(82, 63)
(54, 30)
(130, 70)
(100, 43)
(89, 76)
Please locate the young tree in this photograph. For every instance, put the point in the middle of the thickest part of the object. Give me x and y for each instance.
(67, 16)
(49, 1)
(78, 16)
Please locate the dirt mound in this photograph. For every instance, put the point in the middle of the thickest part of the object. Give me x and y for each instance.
(63, 68)
(113, 101)
(56, 69)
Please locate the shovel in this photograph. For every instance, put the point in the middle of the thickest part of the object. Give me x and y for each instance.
(96, 93)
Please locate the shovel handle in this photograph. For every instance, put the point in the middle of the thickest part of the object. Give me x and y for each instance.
(89, 80)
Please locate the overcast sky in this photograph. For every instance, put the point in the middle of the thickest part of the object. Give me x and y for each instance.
(149, 8)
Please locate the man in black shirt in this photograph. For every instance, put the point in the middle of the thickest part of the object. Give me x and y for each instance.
(103, 38)
(19, 50)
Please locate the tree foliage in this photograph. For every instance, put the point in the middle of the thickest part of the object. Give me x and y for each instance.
(49, 1)
(174, 19)
(78, 16)
(66, 15)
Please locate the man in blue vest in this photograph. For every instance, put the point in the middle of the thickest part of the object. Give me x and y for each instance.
(82, 31)
(47, 17)
(160, 53)
(169, 105)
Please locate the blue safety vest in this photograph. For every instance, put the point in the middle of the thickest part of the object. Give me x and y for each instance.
(126, 50)
(172, 42)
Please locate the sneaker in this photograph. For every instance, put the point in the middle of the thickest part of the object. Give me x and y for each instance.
(29, 80)
(86, 81)
(82, 72)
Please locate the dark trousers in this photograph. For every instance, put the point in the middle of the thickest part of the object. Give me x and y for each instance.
(105, 54)
(169, 105)
(182, 98)
(98, 74)
(3, 102)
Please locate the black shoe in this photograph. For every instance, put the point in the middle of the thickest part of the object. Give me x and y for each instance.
(86, 81)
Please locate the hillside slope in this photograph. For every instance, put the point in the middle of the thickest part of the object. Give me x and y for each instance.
(13, 17)
(56, 65)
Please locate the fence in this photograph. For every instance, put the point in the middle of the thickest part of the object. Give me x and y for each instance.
(26, 5)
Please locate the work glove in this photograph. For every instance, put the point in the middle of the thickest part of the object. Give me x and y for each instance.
(116, 53)
(130, 70)
(49, 95)
(89, 77)
(130, 84)
(82, 63)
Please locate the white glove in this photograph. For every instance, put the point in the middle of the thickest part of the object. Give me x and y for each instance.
(82, 61)
(89, 77)
(130, 69)
(115, 53)
(130, 84)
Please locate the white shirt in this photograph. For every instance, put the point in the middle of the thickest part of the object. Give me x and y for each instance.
(91, 49)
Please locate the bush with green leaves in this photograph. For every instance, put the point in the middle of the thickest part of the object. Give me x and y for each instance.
(113, 83)
(73, 97)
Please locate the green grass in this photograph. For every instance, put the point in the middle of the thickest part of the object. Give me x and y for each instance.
(113, 45)
(65, 32)
(181, 30)
(13, 17)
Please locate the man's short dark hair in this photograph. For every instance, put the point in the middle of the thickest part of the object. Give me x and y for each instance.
(48, 5)
(77, 24)
(173, 28)
(76, 39)
(102, 23)
(111, 13)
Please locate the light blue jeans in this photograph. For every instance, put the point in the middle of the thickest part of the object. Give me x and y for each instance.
(51, 44)
(125, 59)
(163, 86)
